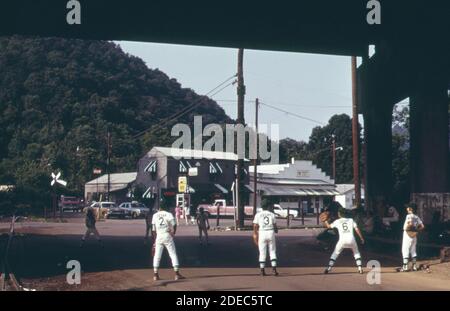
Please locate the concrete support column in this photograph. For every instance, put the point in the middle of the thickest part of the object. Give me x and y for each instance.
(429, 129)
(378, 140)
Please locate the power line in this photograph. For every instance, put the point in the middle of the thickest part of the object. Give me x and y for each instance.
(220, 90)
(195, 106)
(284, 104)
(234, 76)
(293, 114)
(185, 110)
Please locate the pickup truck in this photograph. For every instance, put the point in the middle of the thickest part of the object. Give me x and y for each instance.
(72, 204)
(283, 212)
(224, 209)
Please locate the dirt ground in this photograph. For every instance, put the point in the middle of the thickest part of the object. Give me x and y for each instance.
(41, 250)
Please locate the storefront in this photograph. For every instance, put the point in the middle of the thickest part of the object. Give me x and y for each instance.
(299, 185)
(209, 175)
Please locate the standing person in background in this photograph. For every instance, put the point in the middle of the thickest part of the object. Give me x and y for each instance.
(186, 213)
(148, 225)
(90, 221)
(193, 214)
(178, 212)
(203, 225)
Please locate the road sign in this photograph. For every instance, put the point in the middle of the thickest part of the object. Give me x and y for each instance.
(193, 171)
(55, 179)
(97, 171)
(182, 184)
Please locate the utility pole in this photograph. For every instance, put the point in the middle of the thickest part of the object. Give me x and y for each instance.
(333, 151)
(355, 135)
(240, 121)
(108, 163)
(255, 160)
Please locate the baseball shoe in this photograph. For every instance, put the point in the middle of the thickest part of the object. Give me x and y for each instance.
(404, 269)
(275, 272)
(414, 268)
(156, 277)
(360, 270)
(327, 270)
(178, 276)
(262, 272)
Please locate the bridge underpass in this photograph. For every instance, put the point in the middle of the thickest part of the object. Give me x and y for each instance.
(411, 60)
(390, 76)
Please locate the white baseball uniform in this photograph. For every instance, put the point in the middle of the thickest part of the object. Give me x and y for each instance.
(266, 222)
(345, 226)
(409, 244)
(163, 223)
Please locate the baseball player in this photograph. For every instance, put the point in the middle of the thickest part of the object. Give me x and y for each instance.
(148, 225)
(264, 229)
(90, 227)
(345, 227)
(164, 228)
(413, 224)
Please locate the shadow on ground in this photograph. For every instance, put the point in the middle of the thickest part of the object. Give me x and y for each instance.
(39, 256)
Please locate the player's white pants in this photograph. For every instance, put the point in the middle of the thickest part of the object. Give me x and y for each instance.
(408, 248)
(90, 231)
(169, 244)
(340, 246)
(267, 239)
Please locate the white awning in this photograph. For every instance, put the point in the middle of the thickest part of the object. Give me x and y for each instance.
(224, 191)
(292, 190)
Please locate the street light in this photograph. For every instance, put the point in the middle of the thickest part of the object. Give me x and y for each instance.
(340, 148)
(333, 152)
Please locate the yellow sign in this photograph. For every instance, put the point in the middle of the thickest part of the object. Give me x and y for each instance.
(182, 184)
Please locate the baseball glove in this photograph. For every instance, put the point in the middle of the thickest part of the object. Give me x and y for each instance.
(412, 234)
(324, 216)
(411, 230)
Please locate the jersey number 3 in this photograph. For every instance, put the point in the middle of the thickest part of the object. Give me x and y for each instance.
(266, 220)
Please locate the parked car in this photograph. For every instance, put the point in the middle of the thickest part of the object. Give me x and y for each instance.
(103, 208)
(73, 204)
(220, 205)
(283, 212)
(130, 209)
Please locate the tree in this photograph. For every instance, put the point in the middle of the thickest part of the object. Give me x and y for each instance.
(58, 99)
(400, 156)
(290, 148)
(320, 147)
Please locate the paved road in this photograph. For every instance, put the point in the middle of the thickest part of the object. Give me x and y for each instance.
(229, 263)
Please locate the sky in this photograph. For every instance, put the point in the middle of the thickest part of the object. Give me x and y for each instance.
(312, 86)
